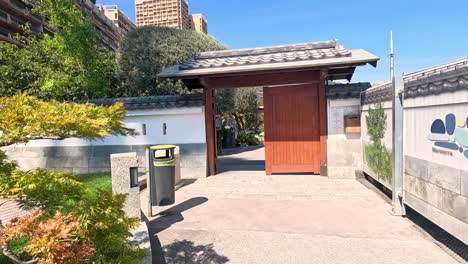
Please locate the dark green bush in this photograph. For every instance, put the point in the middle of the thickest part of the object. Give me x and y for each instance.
(247, 139)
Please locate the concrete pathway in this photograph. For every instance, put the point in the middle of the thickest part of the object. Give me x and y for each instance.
(246, 217)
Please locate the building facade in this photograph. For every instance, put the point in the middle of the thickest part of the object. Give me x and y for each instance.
(15, 13)
(119, 19)
(109, 33)
(198, 23)
(163, 13)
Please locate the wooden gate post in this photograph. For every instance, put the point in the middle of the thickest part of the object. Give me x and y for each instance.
(210, 127)
(323, 122)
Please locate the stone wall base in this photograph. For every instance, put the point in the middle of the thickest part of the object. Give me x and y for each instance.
(96, 159)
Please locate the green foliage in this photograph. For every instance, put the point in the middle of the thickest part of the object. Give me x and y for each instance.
(376, 154)
(25, 118)
(379, 160)
(376, 122)
(16, 247)
(239, 105)
(6, 167)
(21, 68)
(104, 220)
(50, 191)
(247, 139)
(99, 214)
(147, 51)
(71, 64)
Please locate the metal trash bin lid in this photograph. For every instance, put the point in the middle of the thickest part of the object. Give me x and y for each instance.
(163, 147)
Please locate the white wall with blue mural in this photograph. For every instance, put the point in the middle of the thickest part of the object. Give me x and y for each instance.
(436, 159)
(436, 129)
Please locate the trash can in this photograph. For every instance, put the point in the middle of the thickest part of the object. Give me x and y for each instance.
(162, 175)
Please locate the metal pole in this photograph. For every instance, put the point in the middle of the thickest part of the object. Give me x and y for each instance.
(392, 57)
(148, 181)
(398, 207)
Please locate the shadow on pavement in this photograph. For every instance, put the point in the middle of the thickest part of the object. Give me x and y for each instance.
(166, 219)
(184, 251)
(237, 150)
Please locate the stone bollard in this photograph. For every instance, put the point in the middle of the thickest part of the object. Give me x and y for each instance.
(124, 166)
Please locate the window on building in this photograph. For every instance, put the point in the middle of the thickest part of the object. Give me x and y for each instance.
(3, 15)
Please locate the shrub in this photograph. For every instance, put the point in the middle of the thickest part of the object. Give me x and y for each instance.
(6, 167)
(104, 221)
(376, 154)
(71, 207)
(54, 240)
(379, 160)
(247, 139)
(49, 191)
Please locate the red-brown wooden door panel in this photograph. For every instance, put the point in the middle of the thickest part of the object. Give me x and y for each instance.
(292, 129)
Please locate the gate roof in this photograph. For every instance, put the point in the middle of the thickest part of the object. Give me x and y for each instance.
(339, 61)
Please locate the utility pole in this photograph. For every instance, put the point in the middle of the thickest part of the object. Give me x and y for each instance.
(398, 207)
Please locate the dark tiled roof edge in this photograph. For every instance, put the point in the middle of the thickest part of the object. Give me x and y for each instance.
(266, 55)
(448, 79)
(380, 93)
(151, 102)
(346, 91)
(330, 44)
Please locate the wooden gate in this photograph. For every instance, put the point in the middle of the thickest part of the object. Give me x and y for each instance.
(292, 129)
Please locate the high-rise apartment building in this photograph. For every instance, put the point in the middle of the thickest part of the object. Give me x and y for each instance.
(163, 13)
(199, 23)
(15, 13)
(117, 17)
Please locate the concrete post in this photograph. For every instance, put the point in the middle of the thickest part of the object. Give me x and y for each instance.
(397, 145)
(122, 166)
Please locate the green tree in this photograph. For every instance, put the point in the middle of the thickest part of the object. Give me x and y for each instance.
(71, 64)
(239, 105)
(148, 50)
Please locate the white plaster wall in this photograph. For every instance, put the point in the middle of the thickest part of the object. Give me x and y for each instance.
(419, 115)
(184, 125)
(344, 155)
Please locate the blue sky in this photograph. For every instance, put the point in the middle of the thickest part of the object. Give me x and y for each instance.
(426, 32)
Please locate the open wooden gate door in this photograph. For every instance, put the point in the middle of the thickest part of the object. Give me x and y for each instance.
(292, 129)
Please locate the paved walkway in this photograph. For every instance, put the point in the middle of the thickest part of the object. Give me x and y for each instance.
(246, 217)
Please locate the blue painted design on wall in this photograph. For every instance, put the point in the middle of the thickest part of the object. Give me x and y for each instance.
(450, 123)
(461, 136)
(438, 127)
(451, 135)
(447, 145)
